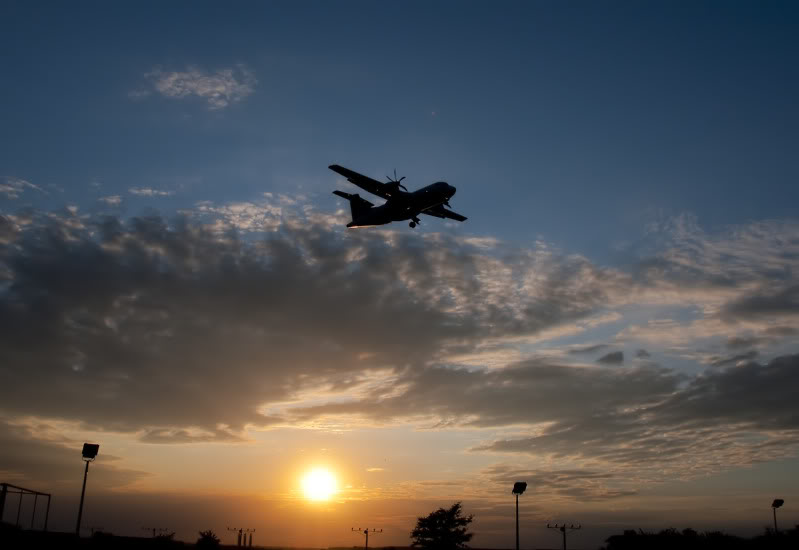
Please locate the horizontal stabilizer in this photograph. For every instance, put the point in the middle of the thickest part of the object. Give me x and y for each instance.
(358, 206)
(353, 197)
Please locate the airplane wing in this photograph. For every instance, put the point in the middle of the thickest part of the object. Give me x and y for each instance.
(440, 212)
(364, 182)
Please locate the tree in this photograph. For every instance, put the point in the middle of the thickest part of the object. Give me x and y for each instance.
(208, 539)
(443, 529)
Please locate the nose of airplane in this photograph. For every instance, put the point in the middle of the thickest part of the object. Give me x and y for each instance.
(450, 190)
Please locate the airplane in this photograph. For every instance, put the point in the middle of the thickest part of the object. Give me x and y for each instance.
(400, 205)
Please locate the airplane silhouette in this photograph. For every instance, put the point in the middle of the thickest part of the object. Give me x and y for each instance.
(400, 205)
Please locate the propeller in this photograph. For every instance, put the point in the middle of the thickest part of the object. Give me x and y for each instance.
(396, 181)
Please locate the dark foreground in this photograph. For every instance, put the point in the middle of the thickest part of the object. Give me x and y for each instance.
(12, 538)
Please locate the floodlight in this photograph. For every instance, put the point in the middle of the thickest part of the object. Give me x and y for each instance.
(519, 487)
(777, 503)
(89, 454)
(90, 451)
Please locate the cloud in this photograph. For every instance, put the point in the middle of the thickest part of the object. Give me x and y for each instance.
(243, 216)
(218, 89)
(580, 483)
(113, 200)
(148, 192)
(612, 358)
(734, 360)
(588, 349)
(731, 417)
(14, 187)
(254, 315)
(207, 329)
(34, 453)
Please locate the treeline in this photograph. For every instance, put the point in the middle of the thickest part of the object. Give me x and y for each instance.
(689, 539)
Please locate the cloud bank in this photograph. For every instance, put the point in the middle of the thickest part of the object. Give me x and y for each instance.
(253, 316)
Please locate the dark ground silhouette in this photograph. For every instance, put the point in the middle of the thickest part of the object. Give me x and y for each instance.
(12, 537)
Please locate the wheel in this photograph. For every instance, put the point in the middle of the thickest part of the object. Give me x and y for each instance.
(412, 225)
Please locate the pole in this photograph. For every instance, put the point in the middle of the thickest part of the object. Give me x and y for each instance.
(367, 539)
(82, 494)
(33, 515)
(774, 509)
(47, 514)
(564, 536)
(19, 508)
(517, 521)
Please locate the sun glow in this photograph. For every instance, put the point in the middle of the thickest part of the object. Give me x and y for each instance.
(319, 484)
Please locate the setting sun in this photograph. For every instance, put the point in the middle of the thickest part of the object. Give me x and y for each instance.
(319, 484)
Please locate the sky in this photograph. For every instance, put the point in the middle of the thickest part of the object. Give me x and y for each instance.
(615, 324)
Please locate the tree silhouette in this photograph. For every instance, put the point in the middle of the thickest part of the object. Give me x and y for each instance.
(208, 539)
(442, 529)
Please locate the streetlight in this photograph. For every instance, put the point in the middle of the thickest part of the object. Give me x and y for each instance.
(518, 488)
(89, 454)
(774, 505)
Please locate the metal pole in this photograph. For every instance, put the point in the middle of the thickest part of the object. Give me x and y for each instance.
(367, 539)
(564, 536)
(82, 494)
(47, 514)
(19, 508)
(517, 522)
(33, 515)
(774, 509)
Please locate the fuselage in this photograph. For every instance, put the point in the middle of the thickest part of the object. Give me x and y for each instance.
(405, 205)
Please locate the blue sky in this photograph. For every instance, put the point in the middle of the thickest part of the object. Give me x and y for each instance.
(615, 321)
(576, 122)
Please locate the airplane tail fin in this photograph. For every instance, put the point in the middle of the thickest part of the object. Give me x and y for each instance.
(358, 205)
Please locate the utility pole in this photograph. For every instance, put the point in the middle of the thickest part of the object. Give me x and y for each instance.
(366, 532)
(241, 539)
(562, 528)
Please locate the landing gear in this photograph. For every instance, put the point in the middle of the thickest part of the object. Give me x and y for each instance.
(414, 222)
(412, 225)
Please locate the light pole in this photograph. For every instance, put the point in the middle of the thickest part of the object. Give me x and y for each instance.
(774, 505)
(518, 488)
(89, 454)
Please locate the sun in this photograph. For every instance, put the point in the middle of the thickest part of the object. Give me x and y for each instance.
(319, 484)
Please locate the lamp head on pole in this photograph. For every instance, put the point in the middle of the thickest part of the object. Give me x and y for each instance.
(519, 487)
(90, 451)
(777, 503)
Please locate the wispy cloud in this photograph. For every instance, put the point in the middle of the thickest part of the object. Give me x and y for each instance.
(218, 89)
(113, 200)
(149, 192)
(14, 187)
